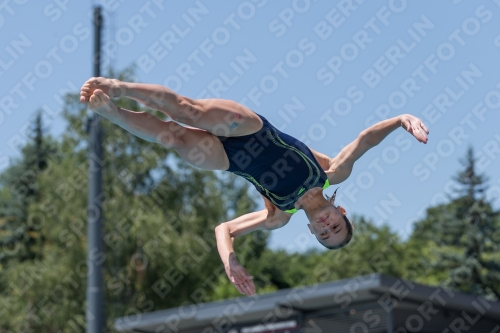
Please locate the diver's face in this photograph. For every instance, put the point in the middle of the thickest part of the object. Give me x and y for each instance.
(328, 225)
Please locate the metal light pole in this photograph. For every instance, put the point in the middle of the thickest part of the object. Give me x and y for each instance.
(95, 297)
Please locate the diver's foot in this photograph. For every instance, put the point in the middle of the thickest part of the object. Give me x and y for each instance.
(100, 103)
(111, 87)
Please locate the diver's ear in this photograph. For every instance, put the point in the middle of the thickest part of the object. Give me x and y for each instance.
(310, 228)
(342, 210)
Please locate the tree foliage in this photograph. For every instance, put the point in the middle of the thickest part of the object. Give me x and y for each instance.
(158, 228)
(159, 244)
(19, 189)
(465, 234)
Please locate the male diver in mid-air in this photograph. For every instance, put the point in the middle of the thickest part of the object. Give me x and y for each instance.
(225, 135)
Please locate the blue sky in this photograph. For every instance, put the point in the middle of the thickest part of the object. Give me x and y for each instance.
(321, 71)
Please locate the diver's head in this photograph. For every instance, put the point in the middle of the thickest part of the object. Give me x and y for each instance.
(329, 224)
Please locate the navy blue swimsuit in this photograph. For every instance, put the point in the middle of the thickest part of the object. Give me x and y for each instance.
(280, 167)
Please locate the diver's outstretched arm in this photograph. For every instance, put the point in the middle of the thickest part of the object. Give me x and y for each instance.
(269, 218)
(341, 165)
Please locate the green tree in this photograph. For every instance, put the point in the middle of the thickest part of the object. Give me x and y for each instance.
(20, 237)
(465, 234)
(159, 219)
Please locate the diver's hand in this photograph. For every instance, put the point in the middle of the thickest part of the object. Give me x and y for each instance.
(239, 276)
(415, 127)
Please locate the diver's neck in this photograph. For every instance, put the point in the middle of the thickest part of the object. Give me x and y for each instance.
(311, 200)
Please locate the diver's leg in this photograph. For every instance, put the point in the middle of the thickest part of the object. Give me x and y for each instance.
(197, 147)
(217, 116)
